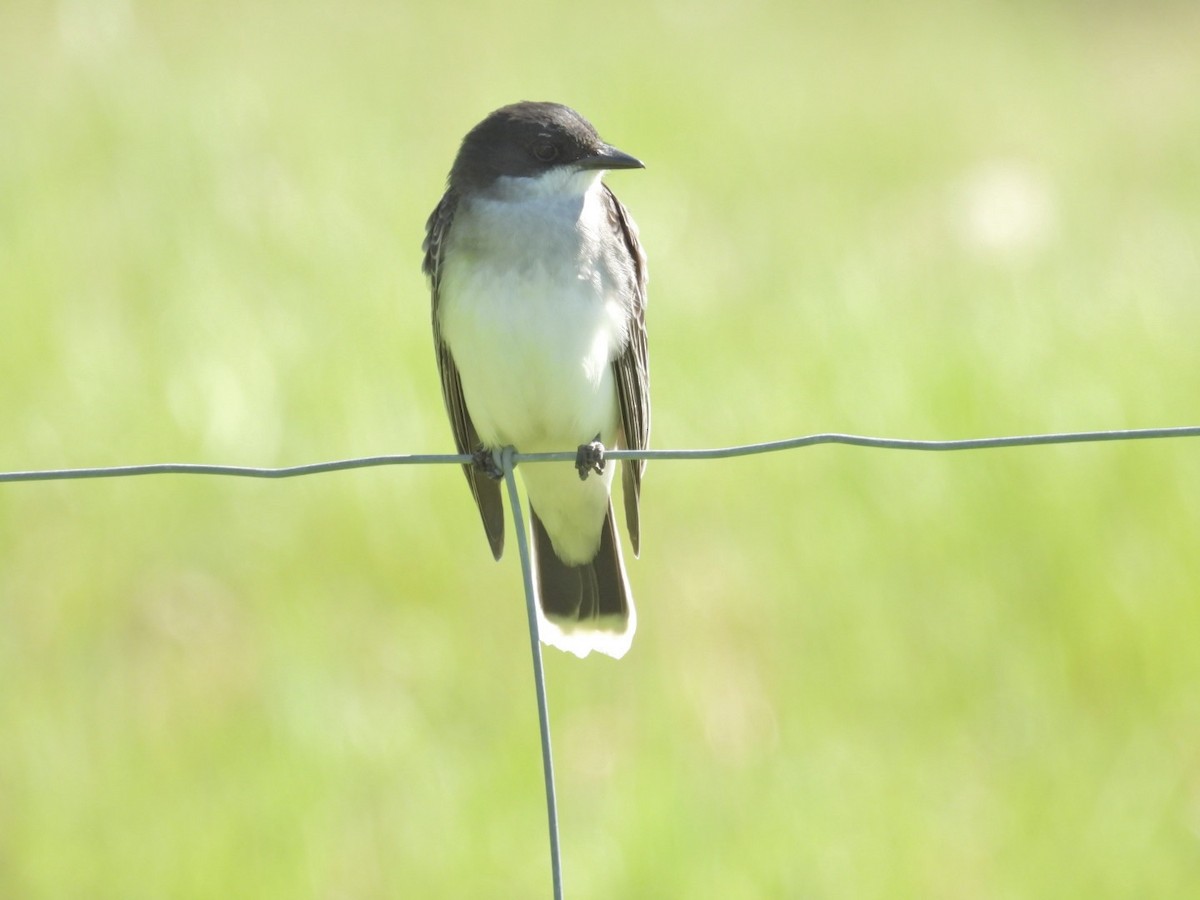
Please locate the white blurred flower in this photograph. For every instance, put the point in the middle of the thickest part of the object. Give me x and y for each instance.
(1004, 208)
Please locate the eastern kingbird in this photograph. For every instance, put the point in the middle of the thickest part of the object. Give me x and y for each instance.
(539, 299)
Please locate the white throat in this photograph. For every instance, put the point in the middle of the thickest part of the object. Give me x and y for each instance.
(561, 182)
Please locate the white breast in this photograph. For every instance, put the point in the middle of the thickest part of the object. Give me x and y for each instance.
(531, 315)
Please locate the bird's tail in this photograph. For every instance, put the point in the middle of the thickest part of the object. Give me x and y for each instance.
(588, 607)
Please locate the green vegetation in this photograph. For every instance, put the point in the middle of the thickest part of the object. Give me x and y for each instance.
(858, 674)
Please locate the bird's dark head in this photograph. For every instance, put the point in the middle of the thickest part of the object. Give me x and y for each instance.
(528, 140)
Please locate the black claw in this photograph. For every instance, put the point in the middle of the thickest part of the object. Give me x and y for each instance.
(590, 458)
(485, 461)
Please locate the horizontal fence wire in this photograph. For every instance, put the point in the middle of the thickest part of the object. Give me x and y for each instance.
(507, 460)
(854, 440)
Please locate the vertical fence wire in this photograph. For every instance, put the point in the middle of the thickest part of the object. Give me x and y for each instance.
(508, 466)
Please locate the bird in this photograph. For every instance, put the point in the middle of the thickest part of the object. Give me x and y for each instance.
(538, 283)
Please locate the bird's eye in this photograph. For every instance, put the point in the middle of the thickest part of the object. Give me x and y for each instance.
(545, 151)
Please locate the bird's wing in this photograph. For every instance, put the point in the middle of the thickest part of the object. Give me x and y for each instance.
(485, 491)
(632, 370)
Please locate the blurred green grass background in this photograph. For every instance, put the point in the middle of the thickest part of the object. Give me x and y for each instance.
(858, 673)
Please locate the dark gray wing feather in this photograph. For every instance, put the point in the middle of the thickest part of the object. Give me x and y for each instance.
(632, 371)
(485, 491)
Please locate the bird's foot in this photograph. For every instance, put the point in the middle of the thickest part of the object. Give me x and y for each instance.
(488, 462)
(590, 458)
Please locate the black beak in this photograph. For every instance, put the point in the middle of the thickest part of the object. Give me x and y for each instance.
(607, 157)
